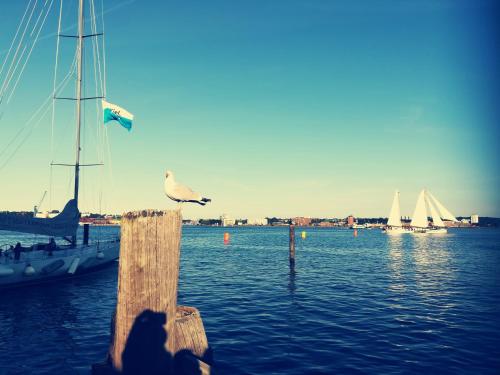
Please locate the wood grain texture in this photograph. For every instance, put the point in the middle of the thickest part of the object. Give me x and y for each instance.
(189, 332)
(148, 274)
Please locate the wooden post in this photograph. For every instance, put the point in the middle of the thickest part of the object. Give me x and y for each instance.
(86, 234)
(292, 245)
(147, 283)
(190, 333)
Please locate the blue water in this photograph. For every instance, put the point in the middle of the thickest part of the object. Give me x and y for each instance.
(371, 304)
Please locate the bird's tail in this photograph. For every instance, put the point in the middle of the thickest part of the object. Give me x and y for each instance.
(202, 201)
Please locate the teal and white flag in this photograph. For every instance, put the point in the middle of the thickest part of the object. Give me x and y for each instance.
(113, 112)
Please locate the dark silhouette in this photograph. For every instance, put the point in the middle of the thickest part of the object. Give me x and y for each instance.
(51, 246)
(145, 349)
(145, 352)
(17, 251)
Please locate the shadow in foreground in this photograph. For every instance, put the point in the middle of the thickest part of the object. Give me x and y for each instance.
(145, 351)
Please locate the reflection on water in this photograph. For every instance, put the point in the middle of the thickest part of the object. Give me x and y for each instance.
(422, 260)
(396, 264)
(291, 279)
(376, 304)
(433, 268)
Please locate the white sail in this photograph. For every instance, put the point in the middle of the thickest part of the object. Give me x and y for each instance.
(443, 212)
(435, 216)
(395, 214)
(419, 218)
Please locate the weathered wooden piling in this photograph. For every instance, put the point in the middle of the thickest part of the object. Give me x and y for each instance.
(292, 245)
(148, 274)
(149, 332)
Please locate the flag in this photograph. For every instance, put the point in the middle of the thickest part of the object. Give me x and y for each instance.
(113, 112)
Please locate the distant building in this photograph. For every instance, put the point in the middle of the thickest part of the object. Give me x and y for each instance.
(226, 221)
(326, 224)
(350, 220)
(302, 221)
(277, 221)
(257, 221)
(465, 221)
(474, 219)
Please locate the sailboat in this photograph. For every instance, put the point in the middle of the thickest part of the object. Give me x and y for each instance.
(44, 262)
(420, 222)
(394, 225)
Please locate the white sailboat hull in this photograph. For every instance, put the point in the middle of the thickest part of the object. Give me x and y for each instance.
(396, 230)
(38, 266)
(429, 231)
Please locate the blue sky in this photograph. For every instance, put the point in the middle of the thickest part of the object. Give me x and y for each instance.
(277, 108)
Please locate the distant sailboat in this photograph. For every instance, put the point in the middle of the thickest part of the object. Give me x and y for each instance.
(420, 222)
(394, 225)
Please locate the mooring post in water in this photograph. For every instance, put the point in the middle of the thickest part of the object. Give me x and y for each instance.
(292, 245)
(150, 334)
(86, 234)
(147, 284)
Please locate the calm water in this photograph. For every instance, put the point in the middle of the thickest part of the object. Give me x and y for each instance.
(371, 304)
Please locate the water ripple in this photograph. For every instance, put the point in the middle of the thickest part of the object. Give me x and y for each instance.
(371, 304)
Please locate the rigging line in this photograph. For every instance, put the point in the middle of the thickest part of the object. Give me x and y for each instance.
(109, 10)
(29, 131)
(15, 37)
(24, 140)
(95, 44)
(31, 50)
(109, 157)
(103, 50)
(9, 76)
(19, 132)
(18, 47)
(20, 59)
(38, 19)
(95, 51)
(50, 186)
(54, 84)
(40, 108)
(54, 104)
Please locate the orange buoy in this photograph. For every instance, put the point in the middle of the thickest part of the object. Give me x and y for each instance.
(226, 238)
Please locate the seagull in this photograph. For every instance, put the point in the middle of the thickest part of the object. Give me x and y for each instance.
(181, 193)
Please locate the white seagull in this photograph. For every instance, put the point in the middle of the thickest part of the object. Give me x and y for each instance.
(181, 193)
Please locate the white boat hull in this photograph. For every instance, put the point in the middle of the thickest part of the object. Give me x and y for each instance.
(430, 231)
(38, 266)
(396, 230)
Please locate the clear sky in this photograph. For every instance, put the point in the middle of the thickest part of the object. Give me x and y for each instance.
(275, 108)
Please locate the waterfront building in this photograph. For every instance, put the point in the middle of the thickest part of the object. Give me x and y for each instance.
(350, 220)
(302, 221)
(226, 221)
(326, 224)
(261, 221)
(474, 219)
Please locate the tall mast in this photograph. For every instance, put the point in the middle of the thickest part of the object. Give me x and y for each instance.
(79, 97)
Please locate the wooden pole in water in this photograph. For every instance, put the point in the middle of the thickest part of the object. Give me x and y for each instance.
(148, 274)
(292, 245)
(86, 234)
